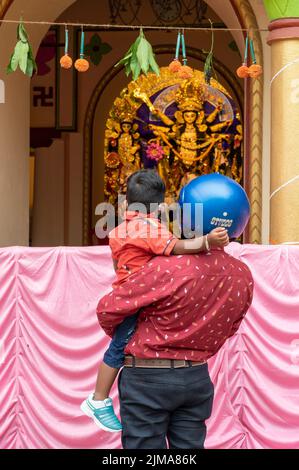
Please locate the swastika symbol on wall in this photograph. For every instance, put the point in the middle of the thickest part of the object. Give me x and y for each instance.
(43, 96)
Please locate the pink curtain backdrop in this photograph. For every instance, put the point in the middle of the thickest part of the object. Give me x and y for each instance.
(50, 346)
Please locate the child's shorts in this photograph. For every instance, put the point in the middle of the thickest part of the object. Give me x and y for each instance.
(114, 356)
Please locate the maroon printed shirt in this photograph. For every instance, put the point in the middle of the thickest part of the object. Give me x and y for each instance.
(188, 305)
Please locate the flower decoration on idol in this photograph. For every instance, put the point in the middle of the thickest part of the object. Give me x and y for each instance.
(154, 151)
(182, 70)
(66, 61)
(82, 65)
(112, 160)
(254, 70)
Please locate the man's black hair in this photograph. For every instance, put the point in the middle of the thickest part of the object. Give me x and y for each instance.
(145, 187)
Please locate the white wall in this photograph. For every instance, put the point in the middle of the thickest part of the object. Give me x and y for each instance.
(48, 206)
(15, 122)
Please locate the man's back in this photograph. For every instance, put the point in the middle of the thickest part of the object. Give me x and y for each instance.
(189, 305)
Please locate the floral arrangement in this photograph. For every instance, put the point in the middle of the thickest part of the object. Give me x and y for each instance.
(154, 151)
(112, 160)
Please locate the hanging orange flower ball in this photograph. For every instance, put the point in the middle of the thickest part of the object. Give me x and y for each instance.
(66, 62)
(82, 65)
(243, 71)
(185, 72)
(255, 70)
(175, 66)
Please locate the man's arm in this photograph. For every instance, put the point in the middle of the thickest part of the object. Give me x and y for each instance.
(124, 301)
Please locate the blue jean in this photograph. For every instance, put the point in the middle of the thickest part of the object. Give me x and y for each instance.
(114, 356)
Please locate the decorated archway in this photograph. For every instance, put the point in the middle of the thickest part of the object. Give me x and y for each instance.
(184, 128)
(252, 176)
(89, 128)
(253, 132)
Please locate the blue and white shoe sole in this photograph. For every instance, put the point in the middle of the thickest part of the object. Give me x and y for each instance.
(85, 408)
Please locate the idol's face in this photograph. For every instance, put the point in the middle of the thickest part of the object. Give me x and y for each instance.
(190, 116)
(126, 127)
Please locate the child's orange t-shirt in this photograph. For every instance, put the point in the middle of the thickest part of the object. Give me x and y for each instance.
(135, 241)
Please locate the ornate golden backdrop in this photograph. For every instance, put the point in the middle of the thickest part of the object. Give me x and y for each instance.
(183, 127)
(196, 54)
(253, 132)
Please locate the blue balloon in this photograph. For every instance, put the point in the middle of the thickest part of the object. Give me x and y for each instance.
(224, 204)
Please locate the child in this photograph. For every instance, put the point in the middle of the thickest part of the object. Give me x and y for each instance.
(133, 243)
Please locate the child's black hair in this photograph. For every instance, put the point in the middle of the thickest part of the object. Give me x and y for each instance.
(145, 187)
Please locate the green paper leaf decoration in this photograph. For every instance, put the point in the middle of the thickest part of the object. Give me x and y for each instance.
(13, 64)
(32, 59)
(127, 69)
(22, 34)
(30, 68)
(135, 67)
(208, 67)
(143, 52)
(139, 58)
(22, 55)
(24, 48)
(153, 65)
(126, 58)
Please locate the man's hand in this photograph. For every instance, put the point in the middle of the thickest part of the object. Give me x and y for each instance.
(218, 237)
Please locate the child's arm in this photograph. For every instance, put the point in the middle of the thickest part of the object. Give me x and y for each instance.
(217, 237)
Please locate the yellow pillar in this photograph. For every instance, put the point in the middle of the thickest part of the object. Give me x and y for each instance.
(284, 194)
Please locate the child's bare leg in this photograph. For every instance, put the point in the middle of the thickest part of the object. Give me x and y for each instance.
(105, 379)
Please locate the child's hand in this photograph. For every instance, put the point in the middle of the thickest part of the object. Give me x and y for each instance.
(218, 237)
